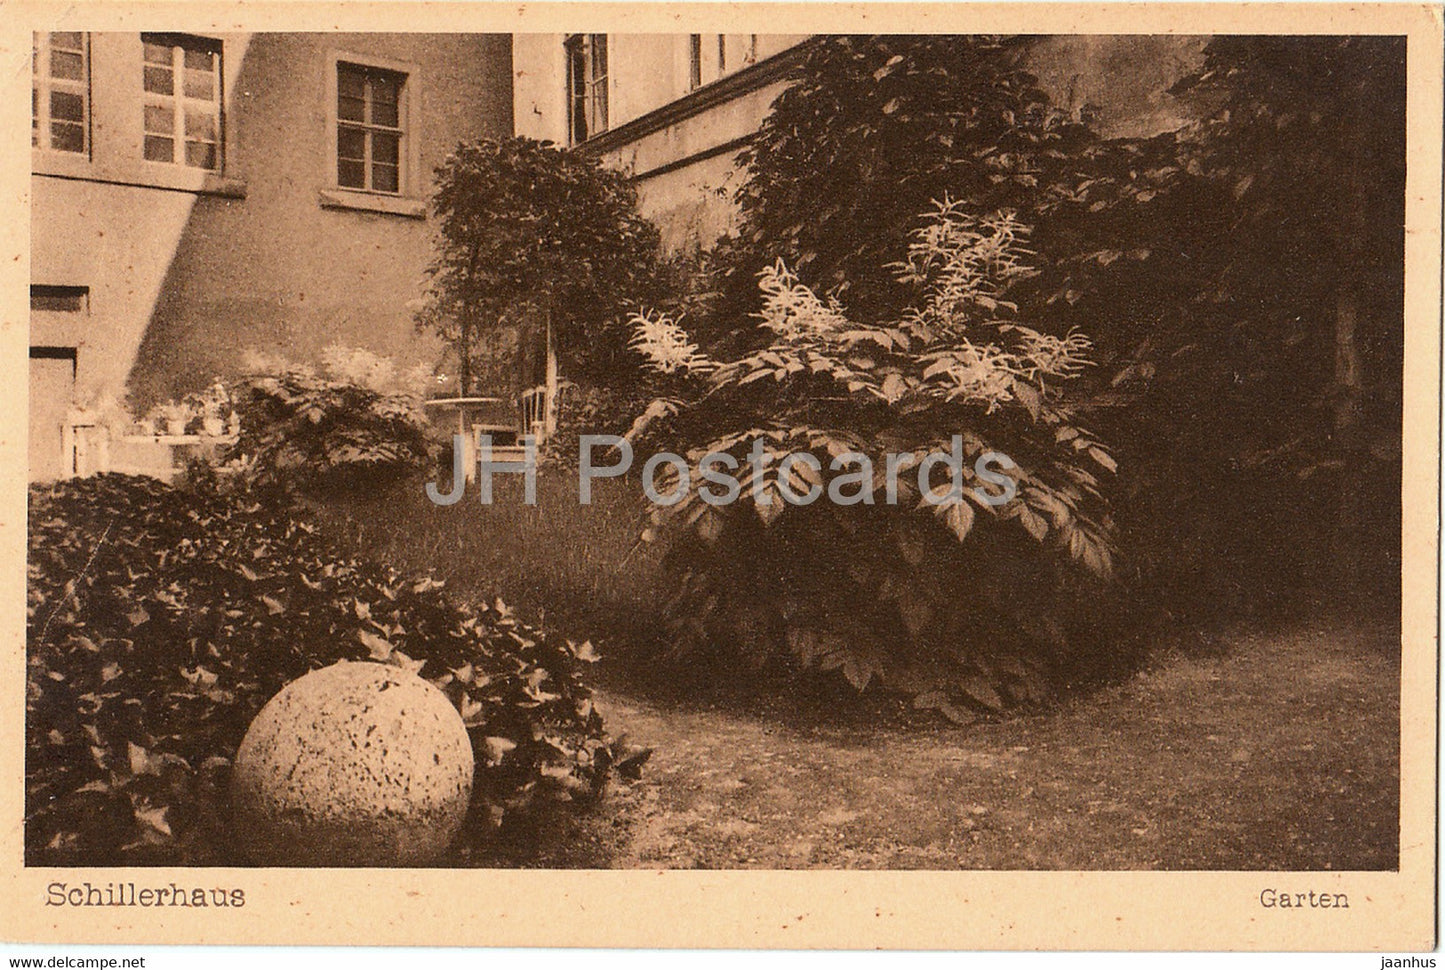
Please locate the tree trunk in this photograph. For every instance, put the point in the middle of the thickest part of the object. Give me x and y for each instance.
(549, 418)
(464, 352)
(1349, 378)
(1348, 388)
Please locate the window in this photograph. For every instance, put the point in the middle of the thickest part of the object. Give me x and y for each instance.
(734, 51)
(370, 115)
(750, 49)
(60, 91)
(182, 100)
(586, 86)
(67, 354)
(59, 299)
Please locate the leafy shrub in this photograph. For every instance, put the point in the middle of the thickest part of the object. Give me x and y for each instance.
(160, 621)
(1241, 278)
(351, 422)
(1278, 373)
(874, 128)
(956, 600)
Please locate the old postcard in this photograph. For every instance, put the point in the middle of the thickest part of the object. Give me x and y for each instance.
(820, 476)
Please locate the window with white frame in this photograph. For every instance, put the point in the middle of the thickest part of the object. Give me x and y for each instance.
(586, 86)
(182, 82)
(370, 128)
(710, 56)
(60, 91)
(694, 61)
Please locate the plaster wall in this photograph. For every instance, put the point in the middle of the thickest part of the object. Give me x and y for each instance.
(187, 270)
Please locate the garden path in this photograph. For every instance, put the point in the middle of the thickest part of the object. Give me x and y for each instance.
(1281, 754)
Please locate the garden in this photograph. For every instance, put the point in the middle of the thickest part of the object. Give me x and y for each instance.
(1048, 514)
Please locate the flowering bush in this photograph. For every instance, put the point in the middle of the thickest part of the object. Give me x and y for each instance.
(960, 599)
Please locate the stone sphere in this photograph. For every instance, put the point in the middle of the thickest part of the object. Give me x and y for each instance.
(358, 764)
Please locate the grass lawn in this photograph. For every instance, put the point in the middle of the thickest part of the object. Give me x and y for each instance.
(1280, 753)
(577, 569)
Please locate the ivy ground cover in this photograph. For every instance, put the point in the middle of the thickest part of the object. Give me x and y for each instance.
(161, 620)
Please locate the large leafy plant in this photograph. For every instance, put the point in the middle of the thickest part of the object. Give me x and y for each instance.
(350, 421)
(1241, 279)
(872, 128)
(953, 599)
(159, 621)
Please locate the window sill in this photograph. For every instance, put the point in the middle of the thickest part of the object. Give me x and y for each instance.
(392, 205)
(148, 175)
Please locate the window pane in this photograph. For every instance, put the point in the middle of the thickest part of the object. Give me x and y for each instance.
(65, 106)
(598, 50)
(384, 178)
(200, 125)
(196, 60)
(577, 93)
(65, 137)
(157, 53)
(160, 120)
(159, 149)
(385, 148)
(350, 83)
(385, 88)
(200, 86)
(68, 39)
(599, 107)
(64, 64)
(350, 109)
(158, 80)
(350, 143)
(200, 154)
(350, 174)
(34, 117)
(384, 113)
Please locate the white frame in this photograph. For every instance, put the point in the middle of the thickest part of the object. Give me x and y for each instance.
(407, 155)
(704, 69)
(178, 101)
(42, 83)
(588, 44)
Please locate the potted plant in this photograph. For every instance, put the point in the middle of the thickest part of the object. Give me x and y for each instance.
(170, 418)
(216, 409)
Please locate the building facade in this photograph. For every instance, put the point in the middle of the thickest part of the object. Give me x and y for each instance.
(671, 109)
(675, 109)
(198, 197)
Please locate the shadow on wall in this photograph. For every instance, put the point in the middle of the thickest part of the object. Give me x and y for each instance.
(276, 271)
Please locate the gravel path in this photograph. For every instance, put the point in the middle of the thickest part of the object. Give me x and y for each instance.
(1281, 755)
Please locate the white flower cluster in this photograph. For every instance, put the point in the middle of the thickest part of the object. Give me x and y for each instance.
(665, 344)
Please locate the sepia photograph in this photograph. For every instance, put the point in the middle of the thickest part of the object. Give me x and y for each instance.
(943, 451)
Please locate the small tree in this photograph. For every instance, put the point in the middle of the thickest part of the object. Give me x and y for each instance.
(528, 230)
